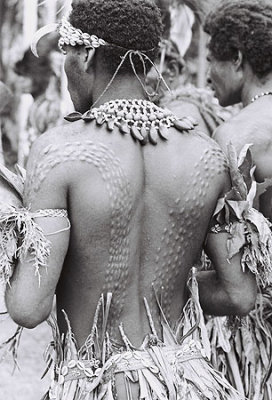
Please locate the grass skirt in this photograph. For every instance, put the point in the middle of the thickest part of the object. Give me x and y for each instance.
(174, 367)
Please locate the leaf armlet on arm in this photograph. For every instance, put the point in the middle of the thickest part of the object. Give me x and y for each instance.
(249, 231)
(21, 235)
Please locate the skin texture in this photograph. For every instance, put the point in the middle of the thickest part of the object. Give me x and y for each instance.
(139, 220)
(253, 125)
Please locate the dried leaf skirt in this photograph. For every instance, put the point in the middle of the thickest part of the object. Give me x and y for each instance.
(173, 368)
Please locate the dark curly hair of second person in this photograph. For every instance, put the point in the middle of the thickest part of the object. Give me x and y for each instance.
(130, 24)
(244, 25)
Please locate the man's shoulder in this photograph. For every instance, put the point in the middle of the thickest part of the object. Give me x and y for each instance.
(181, 107)
(209, 163)
(57, 135)
(235, 130)
(50, 155)
(241, 130)
(206, 153)
(57, 140)
(224, 131)
(203, 141)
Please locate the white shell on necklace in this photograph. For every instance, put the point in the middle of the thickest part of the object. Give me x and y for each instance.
(142, 119)
(258, 96)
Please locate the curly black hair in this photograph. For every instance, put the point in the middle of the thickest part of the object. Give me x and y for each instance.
(129, 24)
(244, 25)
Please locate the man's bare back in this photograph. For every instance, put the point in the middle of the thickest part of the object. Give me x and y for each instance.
(139, 218)
(141, 223)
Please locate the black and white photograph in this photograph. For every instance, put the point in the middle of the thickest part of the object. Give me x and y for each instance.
(135, 200)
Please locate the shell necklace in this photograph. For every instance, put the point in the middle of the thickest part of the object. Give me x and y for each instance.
(258, 96)
(142, 119)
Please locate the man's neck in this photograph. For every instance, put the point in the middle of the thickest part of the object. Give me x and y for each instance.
(122, 87)
(256, 87)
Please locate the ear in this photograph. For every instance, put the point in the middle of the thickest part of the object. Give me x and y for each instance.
(238, 60)
(173, 69)
(89, 58)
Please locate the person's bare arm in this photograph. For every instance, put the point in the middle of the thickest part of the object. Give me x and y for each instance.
(241, 135)
(223, 136)
(226, 290)
(28, 301)
(231, 132)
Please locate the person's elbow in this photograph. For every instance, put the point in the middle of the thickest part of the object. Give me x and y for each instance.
(27, 316)
(244, 306)
(243, 300)
(26, 319)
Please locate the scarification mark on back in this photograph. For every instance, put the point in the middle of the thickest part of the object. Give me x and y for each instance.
(178, 236)
(119, 192)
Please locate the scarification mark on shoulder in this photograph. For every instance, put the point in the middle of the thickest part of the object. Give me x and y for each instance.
(213, 161)
(119, 192)
(211, 164)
